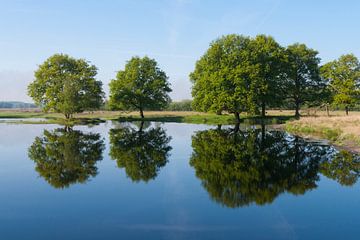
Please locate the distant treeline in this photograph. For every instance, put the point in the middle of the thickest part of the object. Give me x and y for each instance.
(16, 105)
(184, 105)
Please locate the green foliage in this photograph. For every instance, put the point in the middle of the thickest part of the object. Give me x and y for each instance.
(65, 156)
(142, 85)
(142, 152)
(184, 105)
(66, 85)
(267, 71)
(304, 84)
(238, 168)
(221, 77)
(343, 76)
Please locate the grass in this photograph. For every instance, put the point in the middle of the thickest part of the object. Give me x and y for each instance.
(36, 116)
(340, 130)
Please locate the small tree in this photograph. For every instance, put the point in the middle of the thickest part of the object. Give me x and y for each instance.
(343, 76)
(303, 84)
(66, 85)
(142, 86)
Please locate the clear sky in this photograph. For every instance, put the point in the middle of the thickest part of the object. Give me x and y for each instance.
(174, 32)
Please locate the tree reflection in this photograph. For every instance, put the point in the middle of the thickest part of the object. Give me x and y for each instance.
(238, 168)
(65, 156)
(142, 152)
(344, 167)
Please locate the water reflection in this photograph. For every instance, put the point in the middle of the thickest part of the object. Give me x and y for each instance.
(65, 156)
(238, 167)
(344, 167)
(141, 150)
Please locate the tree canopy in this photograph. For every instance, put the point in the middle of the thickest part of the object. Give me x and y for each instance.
(343, 76)
(267, 71)
(142, 85)
(66, 85)
(65, 156)
(221, 77)
(303, 84)
(142, 152)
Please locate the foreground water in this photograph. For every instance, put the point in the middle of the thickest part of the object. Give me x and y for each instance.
(173, 181)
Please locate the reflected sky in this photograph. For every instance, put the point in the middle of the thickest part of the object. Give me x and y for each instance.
(174, 203)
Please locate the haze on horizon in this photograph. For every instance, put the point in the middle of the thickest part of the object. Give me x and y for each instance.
(174, 32)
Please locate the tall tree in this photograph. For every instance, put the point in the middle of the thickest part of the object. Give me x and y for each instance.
(142, 86)
(343, 76)
(267, 71)
(221, 77)
(304, 84)
(66, 85)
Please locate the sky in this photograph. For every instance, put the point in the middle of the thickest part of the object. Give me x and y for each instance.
(174, 32)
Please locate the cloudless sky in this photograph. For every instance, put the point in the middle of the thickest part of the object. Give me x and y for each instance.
(174, 32)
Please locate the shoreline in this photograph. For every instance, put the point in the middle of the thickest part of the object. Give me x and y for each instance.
(341, 131)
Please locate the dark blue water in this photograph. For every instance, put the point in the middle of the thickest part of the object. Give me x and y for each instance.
(173, 181)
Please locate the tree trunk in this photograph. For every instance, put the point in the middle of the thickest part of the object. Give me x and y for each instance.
(327, 110)
(141, 126)
(263, 132)
(141, 113)
(237, 117)
(263, 109)
(347, 110)
(67, 116)
(237, 127)
(297, 109)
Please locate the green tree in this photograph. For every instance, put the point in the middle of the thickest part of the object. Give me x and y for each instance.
(304, 84)
(343, 76)
(267, 71)
(66, 156)
(238, 167)
(66, 85)
(221, 77)
(142, 152)
(142, 86)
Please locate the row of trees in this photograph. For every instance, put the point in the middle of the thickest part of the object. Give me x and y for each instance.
(236, 74)
(242, 74)
(68, 85)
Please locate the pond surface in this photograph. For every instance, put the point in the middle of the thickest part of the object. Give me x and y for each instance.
(173, 181)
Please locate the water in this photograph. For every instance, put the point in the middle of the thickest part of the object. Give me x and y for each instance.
(173, 181)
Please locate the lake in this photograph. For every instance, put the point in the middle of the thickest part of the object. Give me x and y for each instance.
(173, 181)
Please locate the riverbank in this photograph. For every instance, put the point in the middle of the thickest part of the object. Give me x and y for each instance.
(343, 131)
(35, 116)
(340, 130)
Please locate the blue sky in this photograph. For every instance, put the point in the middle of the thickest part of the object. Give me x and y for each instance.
(174, 32)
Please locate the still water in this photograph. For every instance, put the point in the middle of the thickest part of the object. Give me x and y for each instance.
(173, 181)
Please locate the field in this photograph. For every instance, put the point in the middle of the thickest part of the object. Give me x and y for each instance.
(339, 129)
(36, 116)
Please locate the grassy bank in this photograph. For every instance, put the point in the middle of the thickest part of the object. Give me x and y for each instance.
(343, 131)
(23, 116)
